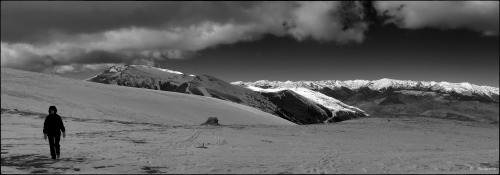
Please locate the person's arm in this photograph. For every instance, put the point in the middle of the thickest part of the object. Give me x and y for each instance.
(45, 129)
(61, 123)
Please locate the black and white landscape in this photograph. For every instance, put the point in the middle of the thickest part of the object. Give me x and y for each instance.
(252, 87)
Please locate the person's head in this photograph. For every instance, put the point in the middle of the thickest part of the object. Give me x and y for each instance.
(52, 110)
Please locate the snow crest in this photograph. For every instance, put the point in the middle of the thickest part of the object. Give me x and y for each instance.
(331, 103)
(463, 88)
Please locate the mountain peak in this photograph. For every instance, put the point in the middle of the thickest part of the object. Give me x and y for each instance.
(116, 68)
(142, 76)
(464, 88)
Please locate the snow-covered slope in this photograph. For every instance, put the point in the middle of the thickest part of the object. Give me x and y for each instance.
(205, 85)
(334, 105)
(29, 91)
(168, 80)
(142, 77)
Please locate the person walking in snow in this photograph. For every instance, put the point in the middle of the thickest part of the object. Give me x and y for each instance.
(52, 128)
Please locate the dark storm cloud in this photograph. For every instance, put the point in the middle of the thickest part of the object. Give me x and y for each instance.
(112, 32)
(41, 60)
(25, 21)
(40, 35)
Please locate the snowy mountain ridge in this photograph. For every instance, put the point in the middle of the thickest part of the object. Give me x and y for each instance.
(463, 88)
(122, 68)
(331, 103)
(142, 76)
(308, 106)
(398, 98)
(116, 70)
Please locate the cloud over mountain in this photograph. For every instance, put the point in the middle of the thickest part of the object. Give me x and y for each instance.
(38, 36)
(66, 32)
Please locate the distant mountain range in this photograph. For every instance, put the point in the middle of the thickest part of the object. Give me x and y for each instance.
(309, 102)
(346, 89)
(388, 97)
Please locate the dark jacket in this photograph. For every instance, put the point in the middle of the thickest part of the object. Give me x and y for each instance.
(53, 125)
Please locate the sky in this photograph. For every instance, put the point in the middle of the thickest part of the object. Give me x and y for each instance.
(249, 41)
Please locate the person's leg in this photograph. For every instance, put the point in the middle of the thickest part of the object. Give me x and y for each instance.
(56, 145)
(51, 144)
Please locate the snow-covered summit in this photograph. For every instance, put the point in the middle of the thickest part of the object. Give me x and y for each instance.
(122, 68)
(116, 68)
(464, 88)
(331, 103)
(142, 76)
